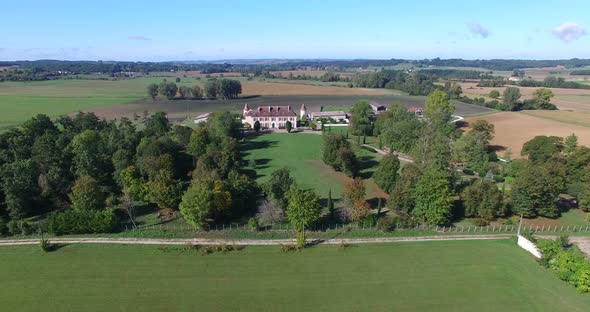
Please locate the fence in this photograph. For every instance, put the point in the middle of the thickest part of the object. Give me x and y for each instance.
(173, 227)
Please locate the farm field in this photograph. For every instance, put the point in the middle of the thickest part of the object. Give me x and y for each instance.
(421, 276)
(574, 118)
(565, 99)
(514, 129)
(301, 153)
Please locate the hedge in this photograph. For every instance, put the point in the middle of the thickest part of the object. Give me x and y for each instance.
(81, 222)
(567, 261)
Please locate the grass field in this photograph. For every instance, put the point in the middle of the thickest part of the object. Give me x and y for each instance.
(302, 155)
(514, 129)
(425, 276)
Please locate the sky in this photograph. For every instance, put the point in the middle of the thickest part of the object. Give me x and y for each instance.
(175, 30)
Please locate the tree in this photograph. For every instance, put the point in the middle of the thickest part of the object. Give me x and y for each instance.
(278, 185)
(90, 156)
(482, 199)
(288, 126)
(403, 195)
(184, 92)
(543, 98)
(86, 194)
(302, 211)
(571, 143)
(360, 122)
(224, 124)
(434, 198)
(198, 142)
(163, 190)
(168, 89)
(152, 90)
(542, 148)
(483, 132)
(157, 125)
(534, 192)
(398, 128)
(354, 190)
(196, 206)
(230, 88)
(510, 98)
(196, 92)
(211, 88)
(439, 108)
(330, 204)
(386, 174)
(347, 162)
(19, 184)
(257, 126)
(494, 94)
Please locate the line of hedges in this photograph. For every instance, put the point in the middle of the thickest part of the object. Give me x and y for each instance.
(567, 261)
(81, 222)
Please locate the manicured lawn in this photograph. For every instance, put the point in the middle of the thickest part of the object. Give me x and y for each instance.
(301, 153)
(425, 276)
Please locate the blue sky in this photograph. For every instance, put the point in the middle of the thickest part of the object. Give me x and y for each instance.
(209, 30)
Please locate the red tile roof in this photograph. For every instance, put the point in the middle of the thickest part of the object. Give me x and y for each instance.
(271, 111)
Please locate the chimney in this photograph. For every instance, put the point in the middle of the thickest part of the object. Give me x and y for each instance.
(289, 108)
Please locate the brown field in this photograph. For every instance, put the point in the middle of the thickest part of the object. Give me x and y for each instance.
(274, 88)
(565, 99)
(514, 129)
(188, 73)
(575, 118)
(309, 72)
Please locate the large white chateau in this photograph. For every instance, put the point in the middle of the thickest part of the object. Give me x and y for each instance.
(272, 117)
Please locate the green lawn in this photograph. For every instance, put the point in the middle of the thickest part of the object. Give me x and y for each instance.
(301, 153)
(425, 276)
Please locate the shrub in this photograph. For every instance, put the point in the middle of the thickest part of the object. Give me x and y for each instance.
(21, 227)
(46, 246)
(253, 224)
(385, 224)
(81, 222)
(480, 222)
(290, 248)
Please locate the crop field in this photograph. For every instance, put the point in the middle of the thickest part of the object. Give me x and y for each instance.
(301, 153)
(420, 276)
(565, 99)
(514, 129)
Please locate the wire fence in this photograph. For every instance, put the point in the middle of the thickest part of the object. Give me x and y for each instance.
(285, 227)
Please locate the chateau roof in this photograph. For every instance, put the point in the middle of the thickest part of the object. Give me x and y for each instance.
(271, 111)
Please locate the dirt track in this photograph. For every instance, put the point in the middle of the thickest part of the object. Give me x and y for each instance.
(252, 242)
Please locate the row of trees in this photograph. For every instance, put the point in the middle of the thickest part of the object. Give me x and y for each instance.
(214, 88)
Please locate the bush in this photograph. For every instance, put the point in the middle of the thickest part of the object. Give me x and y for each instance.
(468, 171)
(480, 222)
(21, 227)
(81, 222)
(385, 224)
(253, 224)
(46, 246)
(290, 248)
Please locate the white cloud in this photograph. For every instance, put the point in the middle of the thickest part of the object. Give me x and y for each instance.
(478, 30)
(139, 38)
(568, 32)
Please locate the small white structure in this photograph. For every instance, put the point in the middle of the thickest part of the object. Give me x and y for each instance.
(529, 246)
(270, 117)
(336, 115)
(202, 118)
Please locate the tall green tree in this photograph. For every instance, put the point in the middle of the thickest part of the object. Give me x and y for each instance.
(157, 125)
(152, 90)
(482, 199)
(86, 194)
(278, 185)
(164, 190)
(439, 108)
(386, 174)
(303, 210)
(360, 122)
(434, 198)
(196, 92)
(168, 90)
(19, 185)
(510, 98)
(212, 88)
(534, 192)
(542, 148)
(398, 128)
(90, 156)
(403, 197)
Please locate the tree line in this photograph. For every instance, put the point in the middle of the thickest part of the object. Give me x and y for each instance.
(214, 88)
